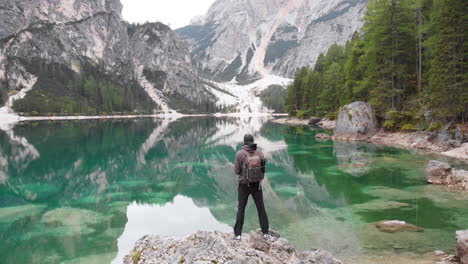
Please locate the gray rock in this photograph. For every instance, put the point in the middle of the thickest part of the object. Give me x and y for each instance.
(462, 246)
(216, 247)
(437, 172)
(447, 137)
(356, 121)
(314, 120)
(442, 173)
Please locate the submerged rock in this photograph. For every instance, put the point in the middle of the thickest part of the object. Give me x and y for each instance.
(394, 226)
(379, 204)
(218, 247)
(442, 173)
(11, 214)
(462, 246)
(322, 136)
(356, 121)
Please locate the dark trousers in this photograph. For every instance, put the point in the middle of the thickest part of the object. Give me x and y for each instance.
(244, 191)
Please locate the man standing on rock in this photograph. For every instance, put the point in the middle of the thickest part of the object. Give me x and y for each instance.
(250, 166)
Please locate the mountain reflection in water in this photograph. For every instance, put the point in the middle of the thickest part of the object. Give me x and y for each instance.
(84, 191)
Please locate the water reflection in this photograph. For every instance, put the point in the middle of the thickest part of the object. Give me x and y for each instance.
(135, 177)
(354, 158)
(17, 151)
(178, 218)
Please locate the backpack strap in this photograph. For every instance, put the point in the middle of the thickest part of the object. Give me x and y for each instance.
(245, 151)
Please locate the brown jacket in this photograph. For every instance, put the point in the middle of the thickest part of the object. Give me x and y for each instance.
(241, 159)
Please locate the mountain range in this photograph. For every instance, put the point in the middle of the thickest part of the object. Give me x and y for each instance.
(82, 57)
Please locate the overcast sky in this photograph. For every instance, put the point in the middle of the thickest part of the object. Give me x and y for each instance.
(176, 13)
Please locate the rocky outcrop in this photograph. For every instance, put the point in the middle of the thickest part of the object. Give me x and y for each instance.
(394, 226)
(75, 34)
(217, 247)
(243, 39)
(462, 246)
(356, 121)
(442, 173)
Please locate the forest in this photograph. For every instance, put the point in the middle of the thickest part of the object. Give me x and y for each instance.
(409, 61)
(59, 90)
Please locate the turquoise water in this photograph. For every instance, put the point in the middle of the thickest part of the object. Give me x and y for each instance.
(85, 191)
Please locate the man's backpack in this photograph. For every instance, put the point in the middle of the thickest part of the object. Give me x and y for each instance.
(252, 170)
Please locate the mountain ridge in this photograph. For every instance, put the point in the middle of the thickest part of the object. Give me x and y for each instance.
(245, 39)
(77, 33)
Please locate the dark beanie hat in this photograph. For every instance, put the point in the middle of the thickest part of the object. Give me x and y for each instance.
(248, 139)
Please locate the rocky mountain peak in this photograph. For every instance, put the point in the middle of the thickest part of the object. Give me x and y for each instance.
(89, 37)
(244, 38)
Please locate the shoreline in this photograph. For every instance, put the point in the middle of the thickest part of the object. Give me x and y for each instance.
(292, 121)
(14, 118)
(410, 141)
(418, 141)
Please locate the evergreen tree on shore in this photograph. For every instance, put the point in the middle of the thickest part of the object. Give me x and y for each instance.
(410, 56)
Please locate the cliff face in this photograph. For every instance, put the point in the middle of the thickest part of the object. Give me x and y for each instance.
(245, 38)
(75, 33)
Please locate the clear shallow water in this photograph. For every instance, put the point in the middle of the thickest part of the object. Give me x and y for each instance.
(85, 191)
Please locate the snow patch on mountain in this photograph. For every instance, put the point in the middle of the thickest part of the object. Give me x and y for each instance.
(151, 90)
(28, 84)
(246, 98)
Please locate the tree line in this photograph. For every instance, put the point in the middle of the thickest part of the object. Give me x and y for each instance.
(59, 90)
(409, 60)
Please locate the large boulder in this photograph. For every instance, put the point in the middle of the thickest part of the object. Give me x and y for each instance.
(462, 246)
(217, 247)
(356, 121)
(442, 173)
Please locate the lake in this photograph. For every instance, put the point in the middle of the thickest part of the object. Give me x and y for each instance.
(85, 191)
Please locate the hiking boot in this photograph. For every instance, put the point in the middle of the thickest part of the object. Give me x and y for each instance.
(266, 236)
(237, 238)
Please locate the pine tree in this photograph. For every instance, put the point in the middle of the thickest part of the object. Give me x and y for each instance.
(448, 74)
